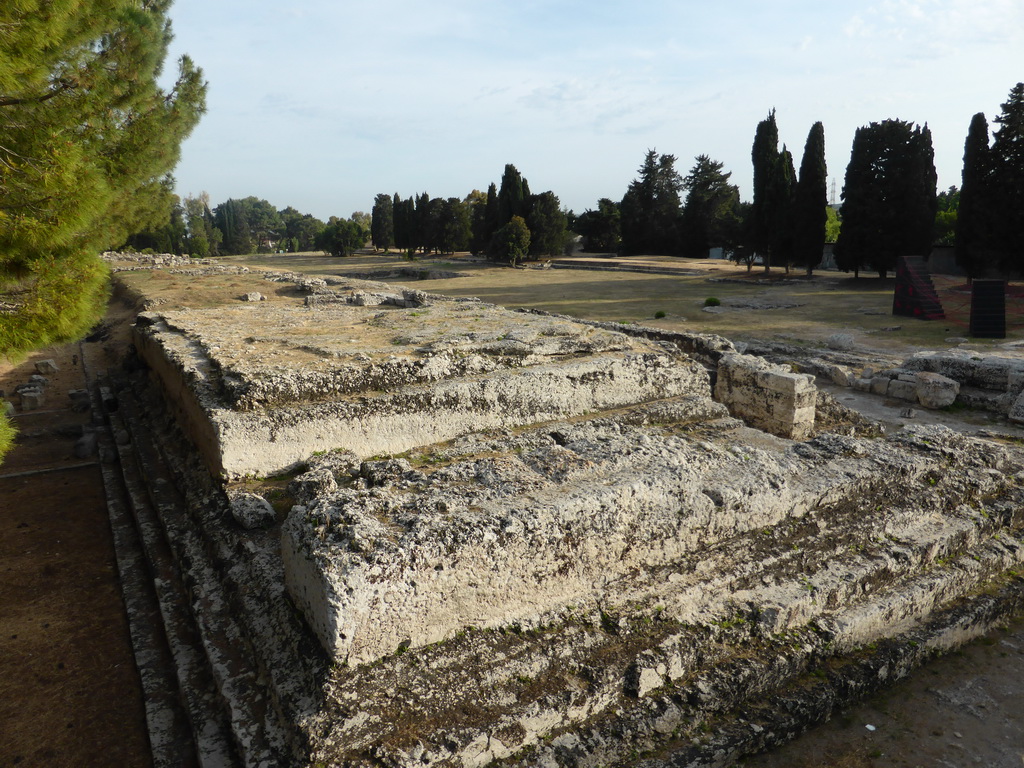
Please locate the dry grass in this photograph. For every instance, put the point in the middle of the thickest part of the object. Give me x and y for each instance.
(828, 303)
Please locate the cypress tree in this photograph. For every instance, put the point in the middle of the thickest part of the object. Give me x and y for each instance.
(382, 223)
(764, 156)
(889, 197)
(810, 202)
(1007, 201)
(87, 137)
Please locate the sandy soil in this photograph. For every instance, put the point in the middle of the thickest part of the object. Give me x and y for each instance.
(69, 691)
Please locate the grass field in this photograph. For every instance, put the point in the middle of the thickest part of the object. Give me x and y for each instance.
(805, 310)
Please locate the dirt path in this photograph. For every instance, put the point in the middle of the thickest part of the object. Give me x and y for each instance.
(69, 690)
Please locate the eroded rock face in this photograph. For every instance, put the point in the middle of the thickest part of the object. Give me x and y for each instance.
(768, 396)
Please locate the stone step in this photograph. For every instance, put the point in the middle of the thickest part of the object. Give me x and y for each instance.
(210, 728)
(291, 664)
(170, 735)
(255, 725)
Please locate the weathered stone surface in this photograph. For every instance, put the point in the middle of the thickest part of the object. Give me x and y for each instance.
(254, 296)
(1016, 413)
(903, 390)
(767, 396)
(46, 367)
(251, 510)
(381, 382)
(935, 390)
(32, 398)
(840, 341)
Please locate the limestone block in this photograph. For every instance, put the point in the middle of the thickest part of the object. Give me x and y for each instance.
(767, 396)
(85, 446)
(840, 341)
(251, 510)
(935, 390)
(903, 390)
(880, 385)
(46, 366)
(80, 401)
(1016, 413)
(254, 296)
(862, 384)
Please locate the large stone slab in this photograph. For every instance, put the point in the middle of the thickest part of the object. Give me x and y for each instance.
(262, 387)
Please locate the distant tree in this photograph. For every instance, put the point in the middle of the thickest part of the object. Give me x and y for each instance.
(889, 197)
(976, 249)
(479, 234)
(811, 202)
(782, 193)
(763, 220)
(454, 225)
(300, 230)
(229, 217)
(512, 195)
(600, 229)
(87, 136)
(342, 237)
(650, 210)
(512, 241)
(262, 220)
(382, 226)
(710, 213)
(833, 224)
(405, 223)
(1007, 197)
(547, 225)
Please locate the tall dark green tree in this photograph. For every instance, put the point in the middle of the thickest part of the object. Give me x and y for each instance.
(1008, 182)
(382, 227)
(711, 211)
(650, 210)
(547, 224)
(230, 218)
(764, 210)
(454, 227)
(86, 136)
(810, 202)
(512, 195)
(782, 193)
(600, 229)
(889, 197)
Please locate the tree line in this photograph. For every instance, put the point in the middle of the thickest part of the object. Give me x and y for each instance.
(507, 223)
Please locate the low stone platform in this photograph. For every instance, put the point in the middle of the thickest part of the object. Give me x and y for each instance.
(262, 387)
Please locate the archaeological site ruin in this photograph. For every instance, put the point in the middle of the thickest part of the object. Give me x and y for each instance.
(392, 528)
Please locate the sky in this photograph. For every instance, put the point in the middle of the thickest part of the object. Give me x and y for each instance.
(321, 105)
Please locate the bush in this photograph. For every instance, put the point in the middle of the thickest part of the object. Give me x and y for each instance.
(711, 301)
(7, 433)
(659, 314)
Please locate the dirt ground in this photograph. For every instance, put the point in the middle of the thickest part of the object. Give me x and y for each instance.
(69, 691)
(69, 694)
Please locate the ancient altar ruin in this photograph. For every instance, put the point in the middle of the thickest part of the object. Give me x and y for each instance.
(513, 538)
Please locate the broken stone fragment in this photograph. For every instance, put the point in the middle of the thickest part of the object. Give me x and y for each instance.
(254, 296)
(384, 472)
(46, 366)
(85, 446)
(251, 510)
(79, 400)
(32, 399)
(310, 485)
(935, 390)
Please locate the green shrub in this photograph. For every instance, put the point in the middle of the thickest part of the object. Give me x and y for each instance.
(7, 433)
(659, 314)
(711, 301)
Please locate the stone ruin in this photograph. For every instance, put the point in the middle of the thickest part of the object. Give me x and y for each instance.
(517, 539)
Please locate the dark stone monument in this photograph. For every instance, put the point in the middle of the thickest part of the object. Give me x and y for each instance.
(915, 294)
(988, 309)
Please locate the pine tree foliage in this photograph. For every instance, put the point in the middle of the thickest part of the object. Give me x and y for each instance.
(86, 135)
(810, 202)
(764, 155)
(710, 216)
(650, 210)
